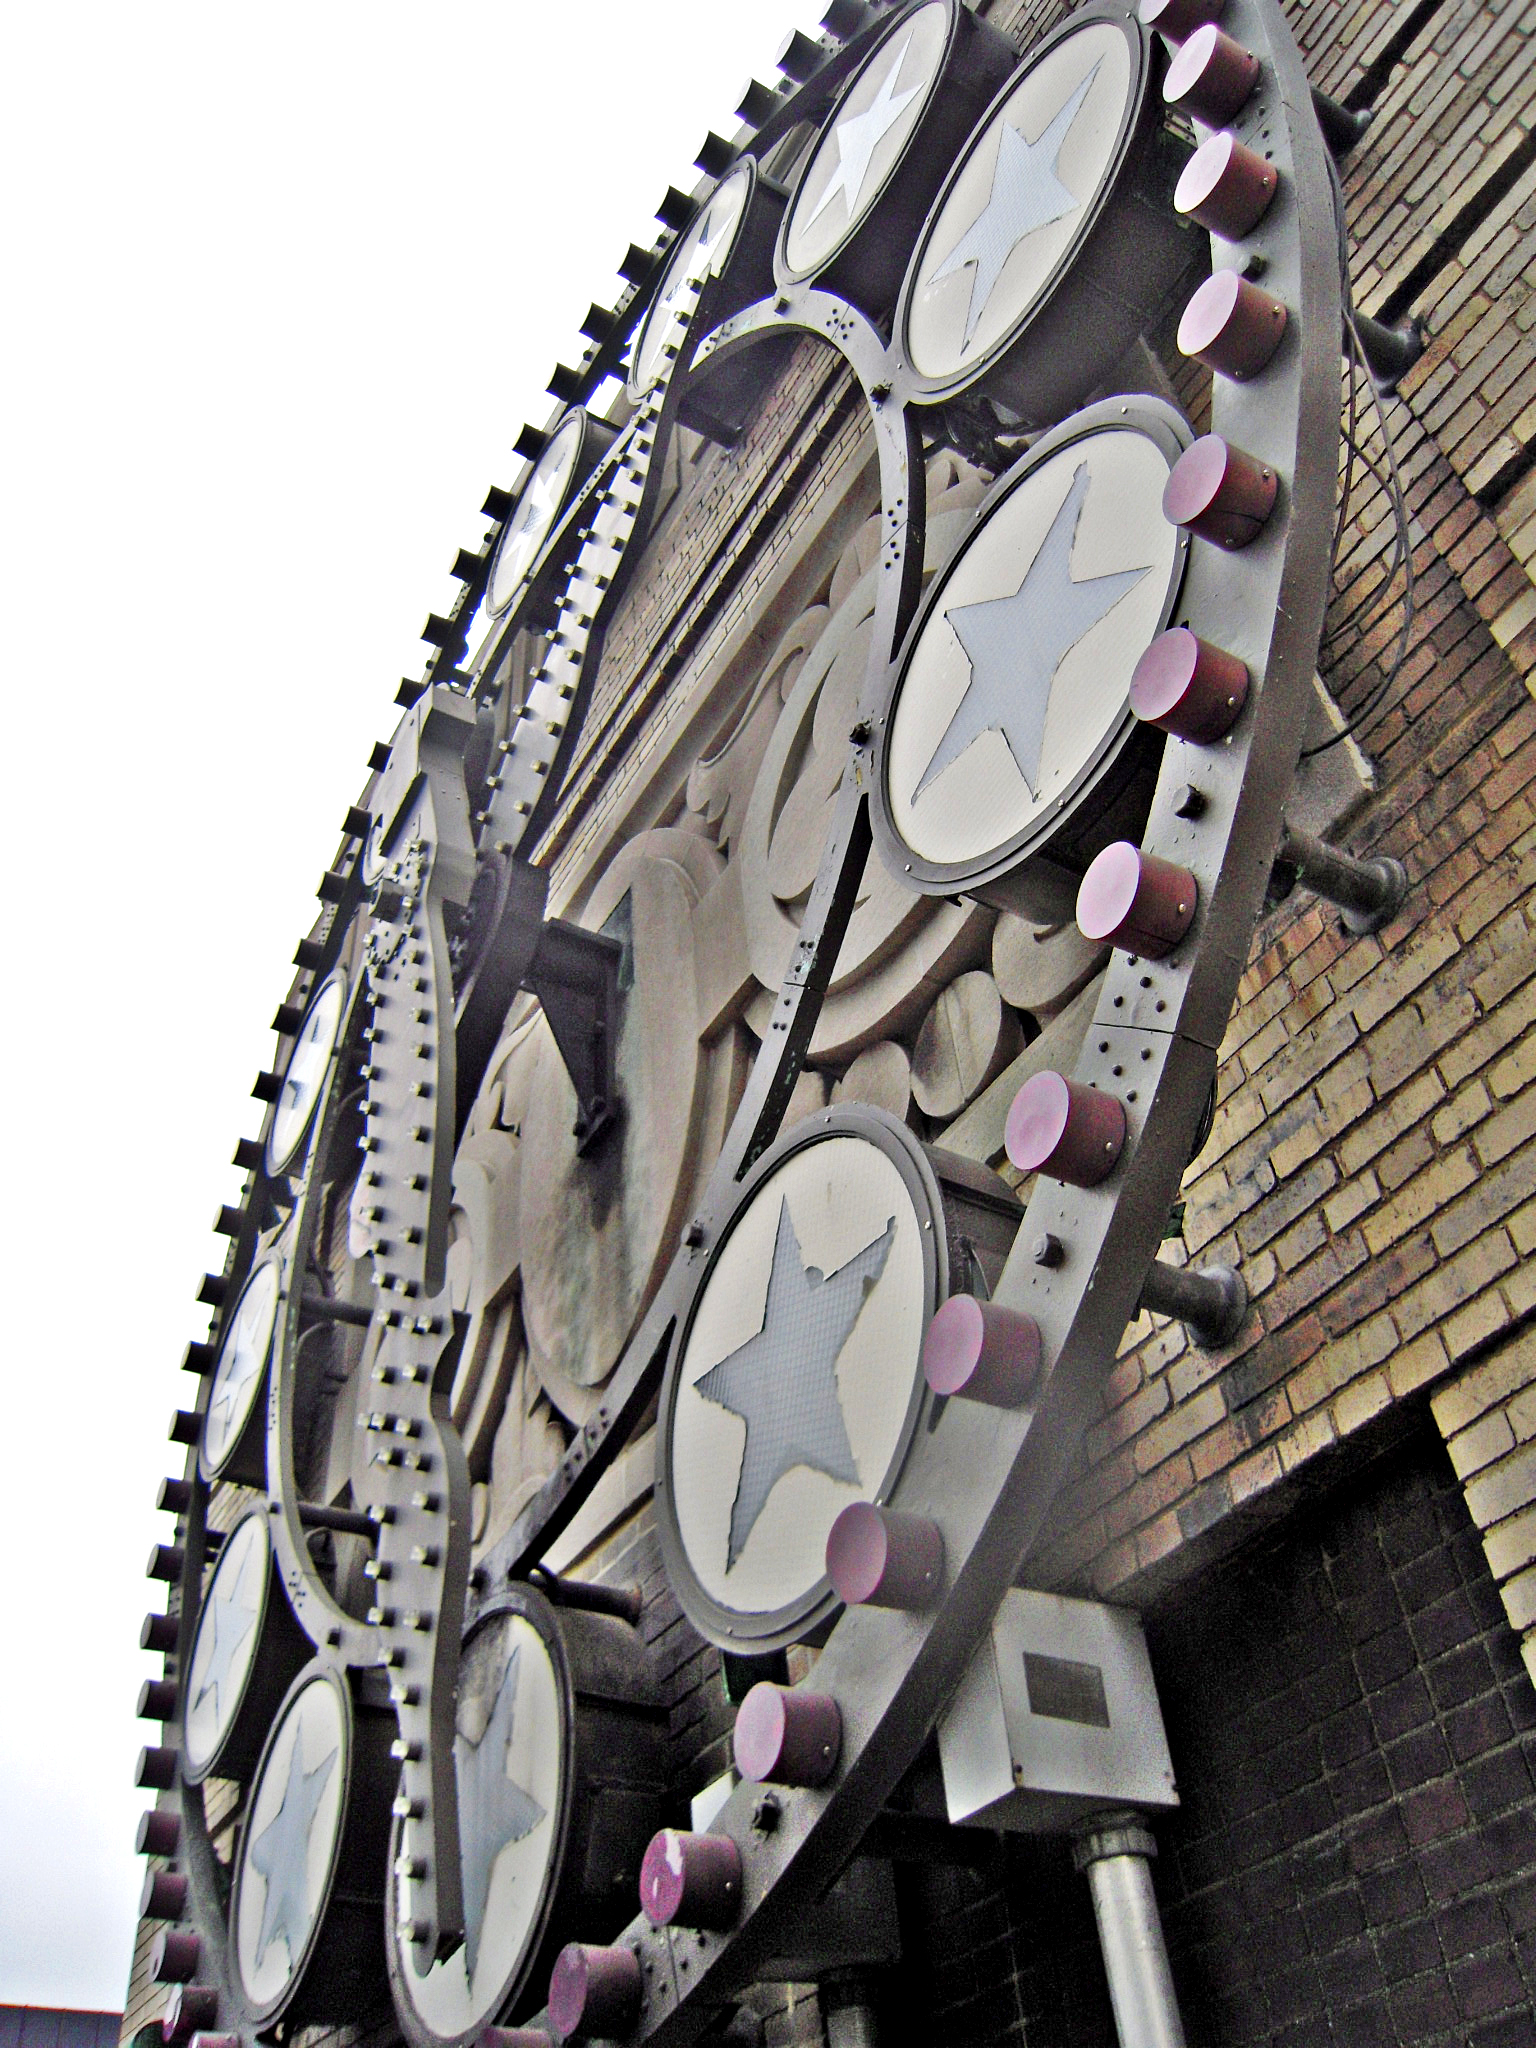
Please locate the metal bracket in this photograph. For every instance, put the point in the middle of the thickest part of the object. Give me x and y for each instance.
(1342, 126)
(575, 975)
(1369, 893)
(1390, 352)
(1210, 1302)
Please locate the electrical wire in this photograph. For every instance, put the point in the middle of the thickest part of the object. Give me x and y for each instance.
(1391, 483)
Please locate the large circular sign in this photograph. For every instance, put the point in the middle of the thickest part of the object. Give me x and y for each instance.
(511, 1761)
(1019, 201)
(224, 1646)
(533, 518)
(800, 1377)
(304, 1076)
(1011, 700)
(702, 253)
(289, 1841)
(241, 1367)
(863, 142)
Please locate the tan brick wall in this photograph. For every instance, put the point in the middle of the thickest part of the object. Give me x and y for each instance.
(1487, 1416)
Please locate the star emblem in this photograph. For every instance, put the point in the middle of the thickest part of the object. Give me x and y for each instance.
(306, 1068)
(783, 1381)
(241, 1362)
(493, 1810)
(1016, 644)
(1026, 194)
(858, 136)
(281, 1854)
(539, 504)
(231, 1617)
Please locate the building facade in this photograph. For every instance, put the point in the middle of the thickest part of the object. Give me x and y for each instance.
(1323, 1514)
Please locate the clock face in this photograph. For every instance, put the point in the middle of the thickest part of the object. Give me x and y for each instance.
(225, 1644)
(511, 1764)
(288, 1845)
(702, 253)
(864, 141)
(800, 1374)
(1019, 202)
(241, 1367)
(1017, 680)
(304, 1077)
(533, 517)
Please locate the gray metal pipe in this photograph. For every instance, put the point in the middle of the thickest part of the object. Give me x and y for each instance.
(1116, 1852)
(1368, 892)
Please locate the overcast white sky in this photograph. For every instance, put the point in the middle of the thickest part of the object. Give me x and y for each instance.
(280, 286)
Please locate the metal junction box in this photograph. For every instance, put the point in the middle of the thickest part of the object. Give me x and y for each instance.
(1057, 1717)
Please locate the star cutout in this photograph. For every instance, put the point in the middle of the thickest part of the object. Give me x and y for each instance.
(540, 502)
(281, 1854)
(1026, 194)
(306, 1068)
(1016, 644)
(858, 136)
(240, 1363)
(493, 1811)
(231, 1617)
(783, 1381)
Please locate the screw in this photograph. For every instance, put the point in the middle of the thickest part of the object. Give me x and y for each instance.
(1047, 1249)
(767, 1813)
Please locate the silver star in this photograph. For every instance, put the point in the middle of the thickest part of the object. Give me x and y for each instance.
(242, 1360)
(281, 1854)
(1026, 194)
(493, 1811)
(1016, 644)
(858, 136)
(783, 1381)
(231, 1617)
(307, 1065)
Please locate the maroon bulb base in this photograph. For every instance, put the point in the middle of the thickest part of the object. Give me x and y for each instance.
(1177, 19)
(594, 1992)
(189, 2009)
(785, 1737)
(173, 1956)
(879, 1558)
(1226, 187)
(1211, 77)
(1218, 492)
(1185, 686)
(1136, 901)
(164, 1896)
(981, 1351)
(1231, 326)
(691, 1881)
(1064, 1130)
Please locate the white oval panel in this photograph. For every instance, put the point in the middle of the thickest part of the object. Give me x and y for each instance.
(508, 1756)
(1020, 199)
(798, 1373)
(702, 253)
(241, 1363)
(289, 1842)
(224, 1647)
(1022, 668)
(534, 515)
(868, 131)
(304, 1076)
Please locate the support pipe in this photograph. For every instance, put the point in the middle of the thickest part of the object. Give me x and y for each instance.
(1369, 893)
(1115, 1850)
(1210, 1301)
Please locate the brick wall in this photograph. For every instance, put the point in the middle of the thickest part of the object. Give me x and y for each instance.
(1352, 1862)
(1372, 1165)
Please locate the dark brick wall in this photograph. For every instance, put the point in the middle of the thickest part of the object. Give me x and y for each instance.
(1353, 1862)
